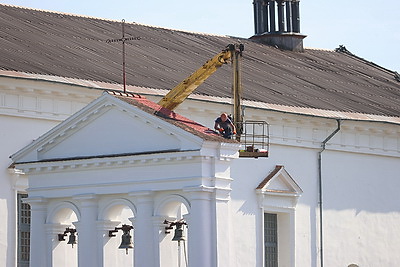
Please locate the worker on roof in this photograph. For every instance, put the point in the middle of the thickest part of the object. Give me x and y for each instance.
(223, 124)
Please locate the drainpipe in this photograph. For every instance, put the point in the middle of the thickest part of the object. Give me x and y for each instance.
(323, 145)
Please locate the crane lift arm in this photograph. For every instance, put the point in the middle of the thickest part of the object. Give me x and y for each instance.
(254, 135)
(178, 94)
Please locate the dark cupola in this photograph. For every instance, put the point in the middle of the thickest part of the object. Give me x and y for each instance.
(277, 23)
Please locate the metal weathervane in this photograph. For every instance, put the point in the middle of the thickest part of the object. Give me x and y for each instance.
(123, 40)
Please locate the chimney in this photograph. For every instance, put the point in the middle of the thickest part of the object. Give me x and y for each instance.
(277, 23)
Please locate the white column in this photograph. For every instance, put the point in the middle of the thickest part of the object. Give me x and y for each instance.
(87, 231)
(200, 224)
(39, 248)
(222, 229)
(222, 255)
(158, 227)
(292, 225)
(103, 228)
(143, 232)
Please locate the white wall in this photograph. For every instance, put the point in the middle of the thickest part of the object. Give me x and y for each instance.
(361, 167)
(360, 198)
(361, 209)
(248, 174)
(28, 109)
(15, 133)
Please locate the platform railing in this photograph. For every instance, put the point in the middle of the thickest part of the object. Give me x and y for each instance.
(254, 137)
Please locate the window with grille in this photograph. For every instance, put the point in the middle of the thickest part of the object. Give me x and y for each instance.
(24, 222)
(271, 239)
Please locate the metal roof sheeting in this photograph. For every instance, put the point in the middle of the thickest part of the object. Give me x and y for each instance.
(75, 47)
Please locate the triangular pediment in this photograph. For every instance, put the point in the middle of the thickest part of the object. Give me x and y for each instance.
(109, 126)
(279, 181)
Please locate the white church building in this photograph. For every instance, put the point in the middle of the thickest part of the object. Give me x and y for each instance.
(88, 169)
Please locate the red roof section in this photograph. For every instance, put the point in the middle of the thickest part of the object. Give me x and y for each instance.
(170, 116)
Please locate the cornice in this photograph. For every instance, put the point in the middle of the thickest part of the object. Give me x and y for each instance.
(88, 87)
(42, 100)
(18, 180)
(110, 162)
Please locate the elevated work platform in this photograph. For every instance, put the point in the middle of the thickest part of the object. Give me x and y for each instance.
(254, 139)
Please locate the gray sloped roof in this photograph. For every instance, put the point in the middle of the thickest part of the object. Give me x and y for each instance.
(74, 46)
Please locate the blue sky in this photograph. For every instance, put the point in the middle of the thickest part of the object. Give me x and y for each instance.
(369, 29)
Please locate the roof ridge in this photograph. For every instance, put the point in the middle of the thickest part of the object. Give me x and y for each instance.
(57, 12)
(113, 20)
(124, 94)
(342, 49)
(319, 49)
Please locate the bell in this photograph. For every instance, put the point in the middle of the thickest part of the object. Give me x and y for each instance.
(72, 239)
(178, 236)
(126, 242)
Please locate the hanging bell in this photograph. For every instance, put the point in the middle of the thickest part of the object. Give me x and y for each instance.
(72, 239)
(178, 236)
(126, 242)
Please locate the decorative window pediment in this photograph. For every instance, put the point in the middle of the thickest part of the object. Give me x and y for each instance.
(279, 189)
(277, 195)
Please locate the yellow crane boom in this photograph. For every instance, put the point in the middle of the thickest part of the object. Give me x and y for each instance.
(254, 135)
(178, 94)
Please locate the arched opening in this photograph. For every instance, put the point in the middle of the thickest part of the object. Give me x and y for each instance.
(175, 210)
(116, 214)
(62, 235)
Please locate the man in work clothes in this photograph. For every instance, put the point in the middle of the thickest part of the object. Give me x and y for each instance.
(224, 125)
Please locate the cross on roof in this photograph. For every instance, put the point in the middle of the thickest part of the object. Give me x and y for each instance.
(123, 40)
